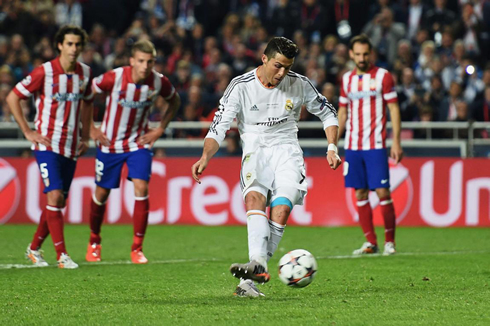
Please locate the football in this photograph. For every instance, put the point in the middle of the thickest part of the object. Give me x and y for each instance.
(297, 268)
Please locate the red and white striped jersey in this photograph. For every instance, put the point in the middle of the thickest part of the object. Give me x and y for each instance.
(128, 106)
(58, 97)
(366, 97)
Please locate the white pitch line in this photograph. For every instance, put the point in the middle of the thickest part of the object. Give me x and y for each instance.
(196, 260)
(408, 254)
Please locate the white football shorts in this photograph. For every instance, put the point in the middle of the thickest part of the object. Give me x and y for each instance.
(277, 171)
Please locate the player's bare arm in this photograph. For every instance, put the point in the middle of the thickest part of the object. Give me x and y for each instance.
(333, 157)
(86, 114)
(396, 152)
(31, 135)
(152, 136)
(211, 146)
(342, 116)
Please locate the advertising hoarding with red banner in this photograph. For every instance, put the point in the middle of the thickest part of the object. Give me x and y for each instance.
(435, 192)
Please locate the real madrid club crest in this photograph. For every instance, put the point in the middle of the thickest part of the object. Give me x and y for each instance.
(248, 176)
(289, 105)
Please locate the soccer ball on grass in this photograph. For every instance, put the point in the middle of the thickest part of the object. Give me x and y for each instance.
(297, 268)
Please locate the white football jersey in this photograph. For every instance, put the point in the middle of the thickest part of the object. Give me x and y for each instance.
(268, 116)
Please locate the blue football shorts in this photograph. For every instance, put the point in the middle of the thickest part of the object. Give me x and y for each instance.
(108, 167)
(366, 169)
(57, 171)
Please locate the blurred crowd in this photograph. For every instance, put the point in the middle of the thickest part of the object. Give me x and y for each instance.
(437, 50)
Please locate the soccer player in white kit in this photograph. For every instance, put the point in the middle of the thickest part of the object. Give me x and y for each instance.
(267, 103)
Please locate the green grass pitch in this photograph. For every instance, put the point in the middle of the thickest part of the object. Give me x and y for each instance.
(438, 277)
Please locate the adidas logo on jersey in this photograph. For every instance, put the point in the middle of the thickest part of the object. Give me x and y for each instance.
(254, 108)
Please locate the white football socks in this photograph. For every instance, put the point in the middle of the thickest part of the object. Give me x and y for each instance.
(277, 230)
(258, 236)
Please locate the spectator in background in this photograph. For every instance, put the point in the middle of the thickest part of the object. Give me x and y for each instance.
(6, 76)
(241, 60)
(462, 115)
(93, 59)
(436, 93)
(450, 71)
(469, 29)
(343, 19)
(385, 34)
(312, 20)
(404, 58)
(284, 20)
(68, 12)
(181, 78)
(407, 97)
(415, 17)
(438, 18)
(424, 59)
(425, 114)
(330, 91)
(119, 50)
(5, 114)
(480, 109)
(445, 49)
(378, 5)
(447, 110)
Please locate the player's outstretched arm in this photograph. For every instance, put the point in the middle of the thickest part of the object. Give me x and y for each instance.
(396, 151)
(14, 103)
(152, 136)
(211, 146)
(333, 157)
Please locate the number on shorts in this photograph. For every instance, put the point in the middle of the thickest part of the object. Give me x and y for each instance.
(99, 167)
(44, 170)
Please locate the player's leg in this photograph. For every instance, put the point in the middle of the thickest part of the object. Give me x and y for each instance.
(379, 179)
(289, 189)
(258, 236)
(389, 219)
(355, 175)
(139, 166)
(97, 212)
(108, 168)
(140, 220)
(282, 203)
(57, 173)
(42, 232)
(33, 251)
(366, 220)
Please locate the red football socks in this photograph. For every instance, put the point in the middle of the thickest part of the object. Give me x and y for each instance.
(366, 220)
(389, 217)
(96, 218)
(41, 233)
(140, 221)
(54, 217)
